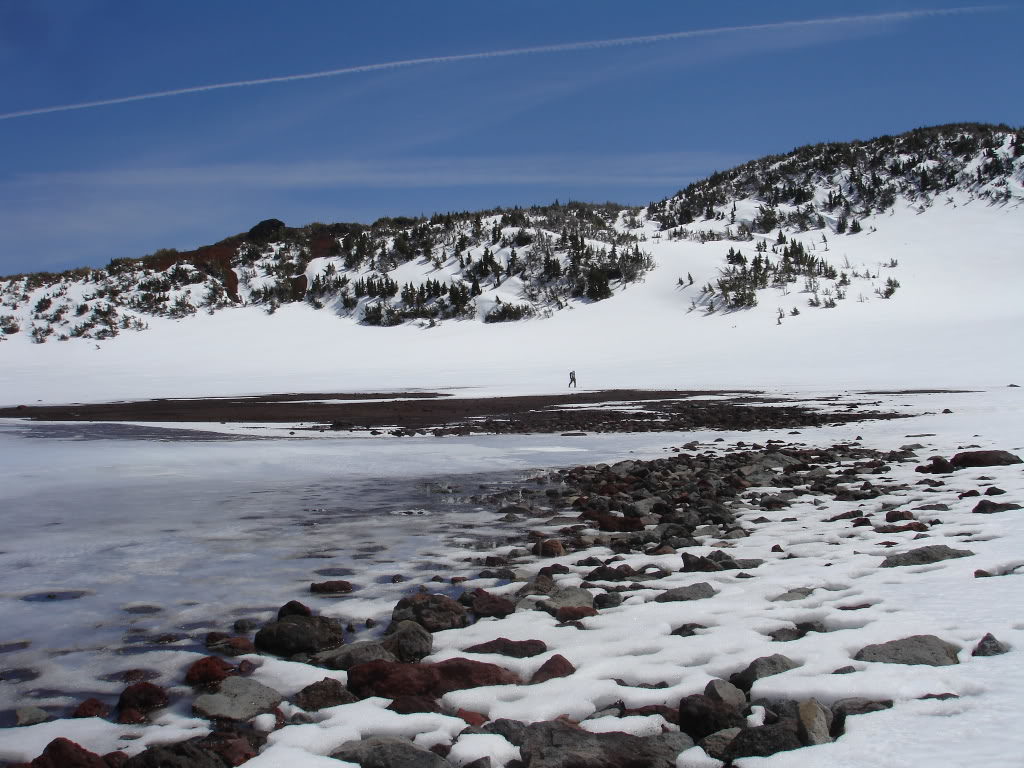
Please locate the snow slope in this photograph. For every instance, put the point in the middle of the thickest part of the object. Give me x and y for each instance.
(953, 322)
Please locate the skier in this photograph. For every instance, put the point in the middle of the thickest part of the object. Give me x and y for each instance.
(572, 378)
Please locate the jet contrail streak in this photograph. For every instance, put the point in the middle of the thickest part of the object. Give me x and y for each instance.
(557, 48)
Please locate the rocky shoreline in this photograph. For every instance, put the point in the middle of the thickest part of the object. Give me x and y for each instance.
(669, 536)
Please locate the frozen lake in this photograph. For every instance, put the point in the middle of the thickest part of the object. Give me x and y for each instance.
(122, 543)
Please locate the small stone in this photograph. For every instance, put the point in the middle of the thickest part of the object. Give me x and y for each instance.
(989, 646)
(337, 587)
(519, 649)
(556, 666)
(142, 697)
(91, 707)
(408, 641)
(34, 715)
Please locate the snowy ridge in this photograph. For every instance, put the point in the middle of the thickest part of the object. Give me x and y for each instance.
(913, 292)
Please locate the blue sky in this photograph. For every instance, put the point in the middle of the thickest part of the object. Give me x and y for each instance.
(630, 123)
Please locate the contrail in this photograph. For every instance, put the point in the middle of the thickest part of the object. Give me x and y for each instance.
(557, 48)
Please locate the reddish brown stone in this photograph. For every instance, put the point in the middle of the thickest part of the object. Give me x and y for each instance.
(916, 525)
(208, 670)
(569, 613)
(485, 604)
(473, 718)
(897, 515)
(129, 716)
(91, 708)
(64, 753)
(337, 587)
(519, 649)
(556, 666)
(143, 697)
(392, 679)
(549, 548)
(408, 705)
(456, 674)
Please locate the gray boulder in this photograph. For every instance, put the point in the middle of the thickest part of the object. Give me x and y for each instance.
(300, 634)
(556, 744)
(917, 649)
(567, 597)
(325, 693)
(433, 612)
(727, 693)
(698, 591)
(388, 752)
(356, 653)
(762, 741)
(408, 641)
(30, 715)
(716, 743)
(764, 666)
(238, 698)
(933, 553)
(984, 459)
(813, 721)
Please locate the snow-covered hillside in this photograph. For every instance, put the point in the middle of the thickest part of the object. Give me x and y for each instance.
(894, 262)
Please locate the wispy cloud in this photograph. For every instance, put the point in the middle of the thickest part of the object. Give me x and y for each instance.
(899, 16)
(636, 169)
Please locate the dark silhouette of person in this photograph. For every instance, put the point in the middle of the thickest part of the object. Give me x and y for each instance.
(572, 378)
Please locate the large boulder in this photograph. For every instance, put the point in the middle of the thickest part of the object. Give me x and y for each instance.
(296, 633)
(699, 591)
(700, 716)
(64, 753)
(762, 741)
(238, 698)
(432, 612)
(388, 752)
(391, 680)
(325, 693)
(356, 653)
(917, 649)
(408, 641)
(557, 744)
(984, 459)
(764, 666)
(933, 553)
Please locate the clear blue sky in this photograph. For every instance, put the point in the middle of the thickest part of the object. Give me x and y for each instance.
(630, 123)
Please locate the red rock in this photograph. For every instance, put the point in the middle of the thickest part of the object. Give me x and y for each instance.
(91, 708)
(556, 666)
(233, 750)
(129, 716)
(549, 548)
(337, 587)
(208, 670)
(473, 718)
(115, 759)
(392, 679)
(519, 649)
(408, 705)
(456, 674)
(293, 608)
(64, 753)
(896, 515)
(485, 604)
(144, 697)
(916, 525)
(574, 613)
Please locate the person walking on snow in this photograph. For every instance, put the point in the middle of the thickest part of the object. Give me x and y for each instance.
(572, 378)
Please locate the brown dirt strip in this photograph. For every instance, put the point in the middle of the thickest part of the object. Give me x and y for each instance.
(408, 413)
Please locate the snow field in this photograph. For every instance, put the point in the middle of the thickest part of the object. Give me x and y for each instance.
(633, 643)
